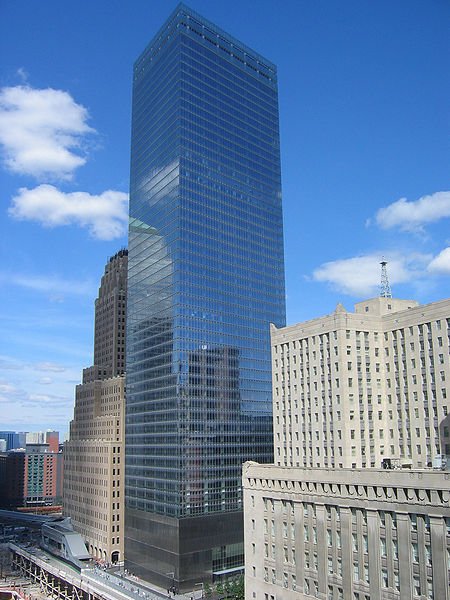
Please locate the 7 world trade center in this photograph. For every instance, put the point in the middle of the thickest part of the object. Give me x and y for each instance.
(205, 280)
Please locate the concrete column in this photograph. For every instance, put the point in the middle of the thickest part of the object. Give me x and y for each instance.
(373, 539)
(299, 545)
(322, 550)
(347, 552)
(279, 541)
(421, 535)
(439, 558)
(404, 555)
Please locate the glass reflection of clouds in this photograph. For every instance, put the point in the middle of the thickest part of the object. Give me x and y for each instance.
(206, 272)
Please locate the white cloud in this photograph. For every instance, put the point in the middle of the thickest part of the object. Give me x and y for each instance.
(42, 131)
(22, 74)
(42, 400)
(441, 262)
(8, 389)
(104, 215)
(412, 216)
(360, 276)
(14, 364)
(33, 399)
(49, 366)
(8, 363)
(49, 284)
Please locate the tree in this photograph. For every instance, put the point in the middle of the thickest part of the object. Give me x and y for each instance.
(239, 588)
(219, 587)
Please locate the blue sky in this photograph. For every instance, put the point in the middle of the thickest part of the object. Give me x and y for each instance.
(364, 120)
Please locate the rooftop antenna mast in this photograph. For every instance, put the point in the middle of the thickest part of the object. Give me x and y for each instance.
(385, 288)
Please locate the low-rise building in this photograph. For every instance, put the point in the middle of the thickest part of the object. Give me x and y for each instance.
(346, 534)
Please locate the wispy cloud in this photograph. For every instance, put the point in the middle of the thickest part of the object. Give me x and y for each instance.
(360, 275)
(22, 406)
(8, 391)
(51, 367)
(22, 74)
(49, 284)
(36, 392)
(14, 364)
(43, 132)
(44, 400)
(104, 215)
(413, 216)
(10, 364)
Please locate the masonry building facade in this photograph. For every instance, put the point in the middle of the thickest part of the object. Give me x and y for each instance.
(32, 476)
(353, 389)
(346, 534)
(94, 453)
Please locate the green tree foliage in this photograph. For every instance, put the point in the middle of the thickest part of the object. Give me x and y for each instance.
(232, 589)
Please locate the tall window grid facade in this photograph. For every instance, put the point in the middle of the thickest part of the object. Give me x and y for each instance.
(352, 389)
(206, 272)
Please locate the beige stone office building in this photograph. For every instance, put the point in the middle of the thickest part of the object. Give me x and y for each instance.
(352, 389)
(94, 454)
(346, 534)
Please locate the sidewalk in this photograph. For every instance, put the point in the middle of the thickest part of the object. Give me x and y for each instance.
(146, 588)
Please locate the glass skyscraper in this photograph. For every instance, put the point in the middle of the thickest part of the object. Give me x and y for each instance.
(206, 277)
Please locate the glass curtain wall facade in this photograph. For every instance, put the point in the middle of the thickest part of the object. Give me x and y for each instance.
(206, 277)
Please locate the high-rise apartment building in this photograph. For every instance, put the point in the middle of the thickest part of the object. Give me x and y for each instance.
(206, 277)
(13, 439)
(355, 389)
(43, 474)
(12, 479)
(93, 455)
(32, 476)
